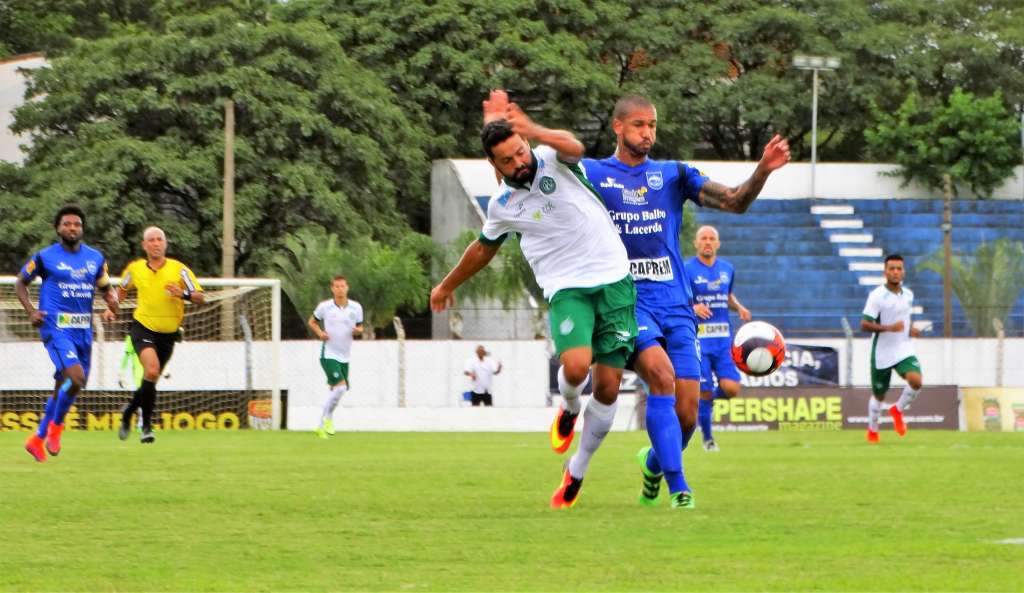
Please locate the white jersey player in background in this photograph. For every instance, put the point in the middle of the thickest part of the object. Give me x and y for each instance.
(342, 320)
(887, 315)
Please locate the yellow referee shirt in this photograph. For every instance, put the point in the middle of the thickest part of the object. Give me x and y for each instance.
(156, 309)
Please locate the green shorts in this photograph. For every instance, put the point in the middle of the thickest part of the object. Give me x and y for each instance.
(336, 370)
(880, 377)
(602, 318)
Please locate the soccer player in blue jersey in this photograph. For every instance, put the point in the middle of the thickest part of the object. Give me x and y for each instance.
(70, 271)
(645, 198)
(711, 279)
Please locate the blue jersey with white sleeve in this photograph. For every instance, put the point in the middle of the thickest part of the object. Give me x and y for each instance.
(69, 280)
(712, 286)
(646, 205)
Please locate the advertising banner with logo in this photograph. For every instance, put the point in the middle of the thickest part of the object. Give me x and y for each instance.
(998, 409)
(829, 408)
(175, 410)
(804, 365)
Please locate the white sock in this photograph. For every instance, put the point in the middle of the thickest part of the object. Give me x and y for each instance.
(874, 411)
(332, 401)
(908, 396)
(571, 393)
(597, 421)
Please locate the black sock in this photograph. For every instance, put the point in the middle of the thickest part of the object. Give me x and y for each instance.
(147, 395)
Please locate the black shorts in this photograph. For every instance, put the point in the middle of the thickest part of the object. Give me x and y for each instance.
(481, 398)
(163, 344)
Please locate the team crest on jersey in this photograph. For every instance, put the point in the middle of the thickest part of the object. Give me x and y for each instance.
(547, 184)
(654, 180)
(91, 266)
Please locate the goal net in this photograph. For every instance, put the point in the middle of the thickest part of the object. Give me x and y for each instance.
(224, 374)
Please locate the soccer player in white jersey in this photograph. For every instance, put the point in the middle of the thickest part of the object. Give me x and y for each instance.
(573, 248)
(887, 315)
(342, 320)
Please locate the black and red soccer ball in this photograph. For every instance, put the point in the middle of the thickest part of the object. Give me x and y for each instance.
(758, 349)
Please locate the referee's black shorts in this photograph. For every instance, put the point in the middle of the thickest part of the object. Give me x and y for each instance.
(163, 344)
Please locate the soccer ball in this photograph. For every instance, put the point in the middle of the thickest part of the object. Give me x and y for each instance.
(758, 348)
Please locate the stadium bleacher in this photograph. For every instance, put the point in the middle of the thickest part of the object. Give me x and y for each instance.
(805, 264)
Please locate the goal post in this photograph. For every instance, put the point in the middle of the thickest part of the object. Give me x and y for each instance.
(226, 373)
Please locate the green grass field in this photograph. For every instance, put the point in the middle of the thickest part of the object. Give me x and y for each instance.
(256, 511)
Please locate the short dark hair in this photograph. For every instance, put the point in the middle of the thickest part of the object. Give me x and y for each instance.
(69, 209)
(339, 277)
(893, 257)
(493, 134)
(629, 103)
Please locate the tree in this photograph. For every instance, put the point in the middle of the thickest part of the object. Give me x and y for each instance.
(383, 279)
(130, 126)
(988, 283)
(972, 139)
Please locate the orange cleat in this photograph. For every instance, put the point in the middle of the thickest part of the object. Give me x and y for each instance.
(568, 492)
(872, 437)
(897, 420)
(53, 433)
(562, 430)
(34, 446)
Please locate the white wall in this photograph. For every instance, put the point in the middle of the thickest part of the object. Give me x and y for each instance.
(434, 381)
(834, 180)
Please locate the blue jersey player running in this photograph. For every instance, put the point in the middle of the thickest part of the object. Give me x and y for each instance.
(645, 198)
(711, 279)
(70, 273)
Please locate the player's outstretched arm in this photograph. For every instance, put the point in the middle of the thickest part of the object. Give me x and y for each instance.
(738, 199)
(570, 150)
(476, 256)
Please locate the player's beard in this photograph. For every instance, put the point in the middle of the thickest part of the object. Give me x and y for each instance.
(70, 243)
(524, 175)
(637, 151)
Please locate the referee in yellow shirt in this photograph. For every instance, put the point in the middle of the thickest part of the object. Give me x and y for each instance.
(163, 285)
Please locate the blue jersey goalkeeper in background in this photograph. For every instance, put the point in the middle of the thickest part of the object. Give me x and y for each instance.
(70, 273)
(711, 279)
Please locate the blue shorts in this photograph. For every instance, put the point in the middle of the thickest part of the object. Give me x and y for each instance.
(675, 330)
(67, 350)
(717, 360)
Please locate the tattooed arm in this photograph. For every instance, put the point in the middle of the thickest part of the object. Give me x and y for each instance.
(738, 199)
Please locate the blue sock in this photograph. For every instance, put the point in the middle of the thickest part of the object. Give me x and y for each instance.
(704, 407)
(666, 440)
(64, 402)
(48, 413)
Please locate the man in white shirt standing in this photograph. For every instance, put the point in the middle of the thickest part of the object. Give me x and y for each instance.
(481, 370)
(887, 315)
(342, 320)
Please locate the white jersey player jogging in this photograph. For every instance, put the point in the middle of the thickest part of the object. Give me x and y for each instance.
(338, 323)
(568, 237)
(886, 307)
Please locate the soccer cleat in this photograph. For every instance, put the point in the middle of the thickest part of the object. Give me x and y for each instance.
(683, 500)
(568, 492)
(53, 432)
(711, 446)
(147, 436)
(329, 427)
(562, 430)
(126, 425)
(320, 432)
(34, 446)
(897, 420)
(651, 488)
(872, 436)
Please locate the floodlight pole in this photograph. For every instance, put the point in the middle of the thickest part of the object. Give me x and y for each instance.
(814, 64)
